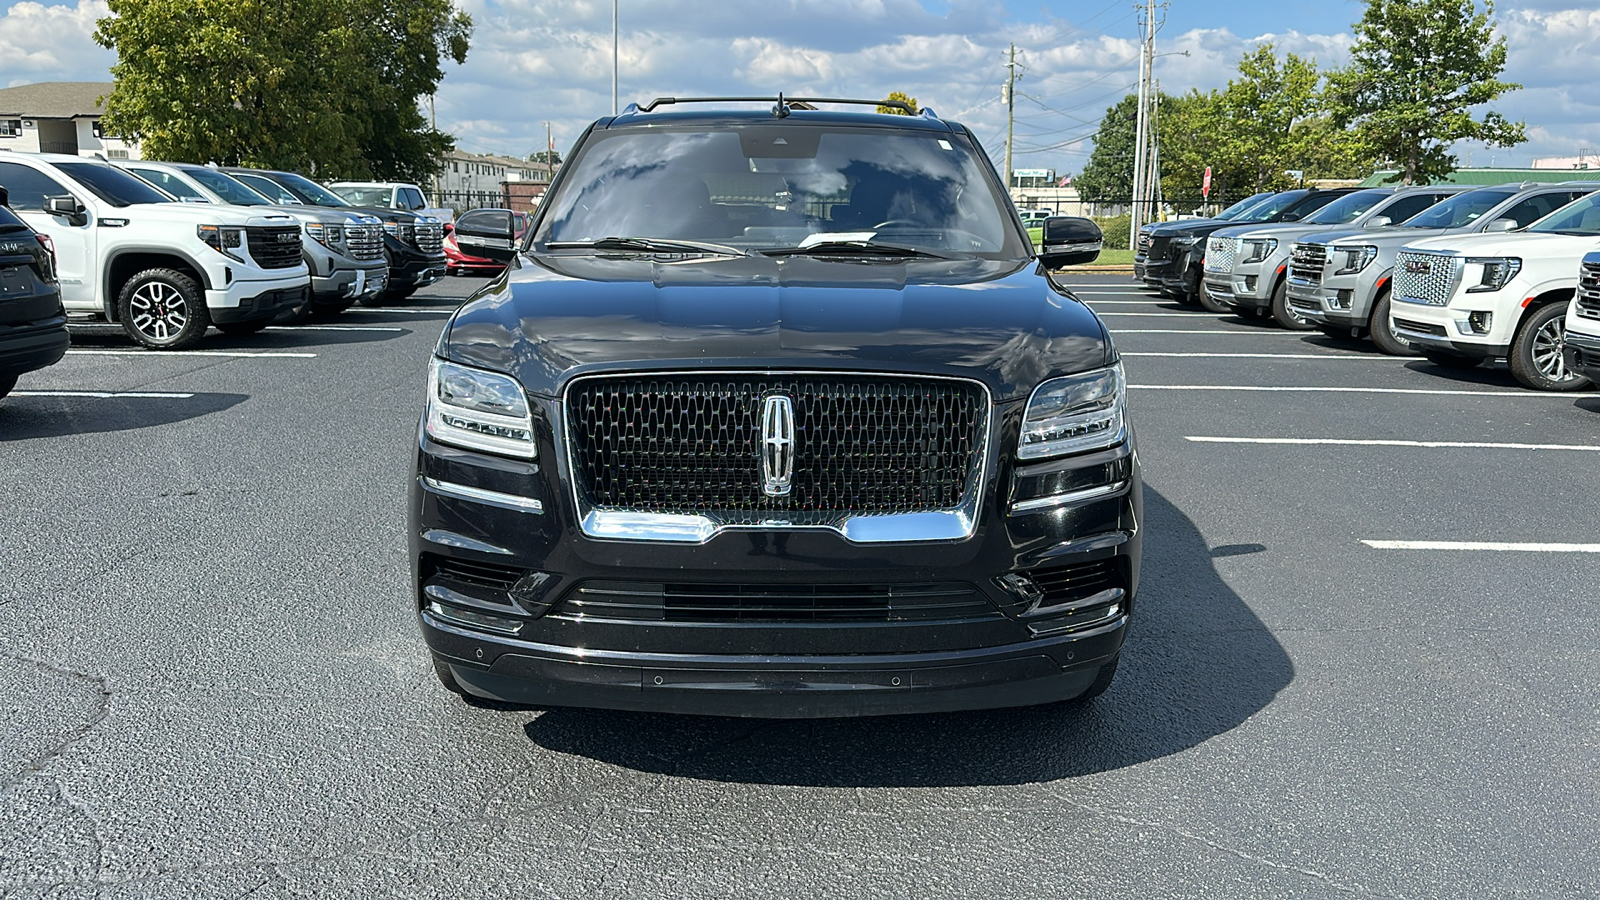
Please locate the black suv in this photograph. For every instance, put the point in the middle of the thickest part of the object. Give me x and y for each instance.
(413, 244)
(776, 413)
(33, 326)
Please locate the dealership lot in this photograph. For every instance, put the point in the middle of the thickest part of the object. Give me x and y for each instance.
(213, 685)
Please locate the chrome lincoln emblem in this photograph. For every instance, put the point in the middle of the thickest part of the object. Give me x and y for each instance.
(777, 445)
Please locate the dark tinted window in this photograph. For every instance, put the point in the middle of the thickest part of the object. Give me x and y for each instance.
(111, 184)
(1306, 206)
(229, 190)
(1581, 217)
(170, 183)
(411, 199)
(266, 187)
(1269, 208)
(1405, 207)
(8, 218)
(29, 186)
(1347, 208)
(307, 190)
(1243, 206)
(1462, 209)
(1530, 210)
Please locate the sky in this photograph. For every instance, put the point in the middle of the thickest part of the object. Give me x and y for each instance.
(534, 62)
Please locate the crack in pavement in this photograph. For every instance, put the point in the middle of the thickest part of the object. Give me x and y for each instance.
(36, 765)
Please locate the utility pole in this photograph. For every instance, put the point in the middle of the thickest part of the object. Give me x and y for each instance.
(613, 57)
(549, 155)
(433, 123)
(1147, 35)
(1011, 110)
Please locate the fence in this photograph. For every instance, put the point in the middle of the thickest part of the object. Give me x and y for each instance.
(521, 196)
(1159, 211)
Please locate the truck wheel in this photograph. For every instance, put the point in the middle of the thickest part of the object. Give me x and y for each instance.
(7, 383)
(1286, 315)
(1444, 359)
(163, 309)
(243, 327)
(1536, 359)
(1381, 327)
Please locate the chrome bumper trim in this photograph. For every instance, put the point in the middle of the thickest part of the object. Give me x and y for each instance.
(479, 495)
(1071, 498)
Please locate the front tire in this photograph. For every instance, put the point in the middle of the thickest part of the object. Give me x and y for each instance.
(163, 309)
(1381, 327)
(1536, 352)
(1286, 315)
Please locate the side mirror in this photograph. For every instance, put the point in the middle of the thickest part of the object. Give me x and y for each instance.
(1501, 225)
(491, 235)
(66, 206)
(1291, 217)
(1069, 241)
(1379, 221)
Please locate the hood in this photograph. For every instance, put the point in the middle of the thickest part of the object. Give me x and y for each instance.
(1002, 322)
(327, 215)
(1509, 244)
(203, 214)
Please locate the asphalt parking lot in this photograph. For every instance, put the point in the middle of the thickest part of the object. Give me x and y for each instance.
(213, 686)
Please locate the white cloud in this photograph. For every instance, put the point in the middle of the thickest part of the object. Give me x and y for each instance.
(40, 42)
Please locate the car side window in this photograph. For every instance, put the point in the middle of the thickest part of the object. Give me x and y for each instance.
(28, 186)
(411, 199)
(167, 182)
(1406, 207)
(267, 188)
(1534, 208)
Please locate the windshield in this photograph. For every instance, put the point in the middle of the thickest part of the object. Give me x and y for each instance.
(1462, 209)
(785, 187)
(306, 190)
(1348, 208)
(229, 190)
(364, 196)
(113, 185)
(1243, 206)
(1581, 217)
(1269, 208)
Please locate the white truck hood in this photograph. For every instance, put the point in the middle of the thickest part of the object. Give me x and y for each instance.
(1524, 245)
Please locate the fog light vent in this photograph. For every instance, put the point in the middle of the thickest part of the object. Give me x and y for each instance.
(1481, 322)
(1340, 300)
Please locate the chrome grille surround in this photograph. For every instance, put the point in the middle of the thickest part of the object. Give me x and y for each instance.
(1425, 278)
(429, 236)
(1586, 302)
(939, 509)
(1143, 246)
(1220, 252)
(363, 238)
(1306, 262)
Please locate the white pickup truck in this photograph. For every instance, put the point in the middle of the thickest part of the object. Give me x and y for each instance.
(165, 270)
(390, 194)
(1466, 298)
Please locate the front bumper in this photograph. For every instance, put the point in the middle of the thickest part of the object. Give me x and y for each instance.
(1582, 354)
(1001, 651)
(1449, 329)
(266, 303)
(346, 284)
(410, 268)
(29, 346)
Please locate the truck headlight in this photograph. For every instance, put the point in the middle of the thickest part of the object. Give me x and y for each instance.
(330, 236)
(478, 410)
(1350, 260)
(1494, 273)
(1073, 414)
(222, 238)
(1256, 249)
(404, 232)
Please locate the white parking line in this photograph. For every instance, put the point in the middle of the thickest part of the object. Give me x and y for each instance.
(1265, 332)
(106, 395)
(1483, 545)
(1353, 390)
(1350, 442)
(401, 312)
(1369, 356)
(1151, 302)
(235, 354)
(1159, 315)
(334, 328)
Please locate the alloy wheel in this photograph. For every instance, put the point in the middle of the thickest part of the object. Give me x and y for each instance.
(1548, 343)
(159, 310)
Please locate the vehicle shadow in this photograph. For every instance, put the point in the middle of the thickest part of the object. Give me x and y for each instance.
(23, 417)
(310, 336)
(1485, 374)
(1197, 664)
(1592, 404)
(1348, 345)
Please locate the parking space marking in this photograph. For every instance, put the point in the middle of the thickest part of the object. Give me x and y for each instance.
(1353, 442)
(1159, 315)
(1503, 546)
(1151, 302)
(1355, 390)
(235, 354)
(1176, 355)
(334, 328)
(107, 395)
(402, 312)
(1262, 333)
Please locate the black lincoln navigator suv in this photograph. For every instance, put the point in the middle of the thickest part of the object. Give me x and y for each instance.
(776, 413)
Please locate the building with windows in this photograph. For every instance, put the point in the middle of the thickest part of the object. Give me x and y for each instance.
(470, 180)
(59, 117)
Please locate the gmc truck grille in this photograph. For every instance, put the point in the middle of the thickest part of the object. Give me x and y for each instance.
(1587, 300)
(1220, 253)
(365, 242)
(274, 246)
(1306, 262)
(1426, 278)
(694, 444)
(775, 602)
(430, 237)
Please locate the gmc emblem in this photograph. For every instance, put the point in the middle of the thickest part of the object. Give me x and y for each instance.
(1418, 266)
(285, 237)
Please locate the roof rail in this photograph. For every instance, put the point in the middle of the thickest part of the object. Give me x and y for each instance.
(784, 106)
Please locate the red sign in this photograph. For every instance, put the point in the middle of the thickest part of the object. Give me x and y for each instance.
(1205, 185)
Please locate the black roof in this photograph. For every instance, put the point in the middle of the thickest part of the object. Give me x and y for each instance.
(763, 110)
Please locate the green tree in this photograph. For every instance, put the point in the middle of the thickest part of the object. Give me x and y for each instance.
(1417, 71)
(545, 157)
(1260, 110)
(1108, 175)
(325, 86)
(903, 98)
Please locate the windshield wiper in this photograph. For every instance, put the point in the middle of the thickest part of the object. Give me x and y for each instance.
(854, 248)
(646, 245)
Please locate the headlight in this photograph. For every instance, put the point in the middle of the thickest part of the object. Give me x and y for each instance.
(1257, 249)
(331, 236)
(1073, 414)
(478, 410)
(1184, 240)
(1350, 260)
(1495, 271)
(404, 232)
(222, 238)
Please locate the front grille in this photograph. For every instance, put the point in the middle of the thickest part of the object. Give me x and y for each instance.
(1158, 248)
(1426, 278)
(1142, 247)
(1079, 582)
(634, 601)
(1220, 253)
(1587, 300)
(429, 237)
(274, 246)
(691, 444)
(1302, 303)
(365, 242)
(478, 574)
(1306, 262)
(1421, 327)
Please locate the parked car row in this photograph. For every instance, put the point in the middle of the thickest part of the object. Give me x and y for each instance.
(243, 249)
(1456, 275)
